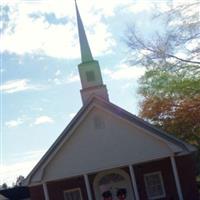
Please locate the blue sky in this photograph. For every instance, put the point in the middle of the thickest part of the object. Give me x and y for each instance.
(39, 76)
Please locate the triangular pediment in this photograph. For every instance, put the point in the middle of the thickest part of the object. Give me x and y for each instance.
(103, 136)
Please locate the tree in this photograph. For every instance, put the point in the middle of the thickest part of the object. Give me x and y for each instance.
(3, 186)
(170, 87)
(171, 101)
(174, 44)
(19, 180)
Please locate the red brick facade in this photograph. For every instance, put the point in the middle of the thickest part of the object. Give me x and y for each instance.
(186, 171)
(56, 189)
(164, 166)
(185, 165)
(37, 193)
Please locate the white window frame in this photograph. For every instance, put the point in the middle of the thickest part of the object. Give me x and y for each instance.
(73, 190)
(162, 185)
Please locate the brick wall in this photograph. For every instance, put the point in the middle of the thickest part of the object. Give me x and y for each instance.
(36, 193)
(164, 166)
(185, 167)
(56, 189)
(186, 171)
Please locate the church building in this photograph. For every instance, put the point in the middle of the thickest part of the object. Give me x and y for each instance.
(107, 153)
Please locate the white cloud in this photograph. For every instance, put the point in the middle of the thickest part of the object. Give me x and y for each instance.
(181, 55)
(58, 72)
(71, 115)
(17, 86)
(125, 72)
(25, 34)
(162, 6)
(29, 155)
(14, 123)
(37, 109)
(17, 122)
(22, 164)
(2, 70)
(141, 6)
(9, 173)
(57, 81)
(43, 120)
(70, 78)
(127, 85)
(73, 78)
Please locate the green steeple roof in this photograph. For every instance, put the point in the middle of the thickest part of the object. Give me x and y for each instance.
(89, 69)
(86, 55)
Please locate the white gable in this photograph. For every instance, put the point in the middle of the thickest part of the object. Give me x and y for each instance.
(97, 145)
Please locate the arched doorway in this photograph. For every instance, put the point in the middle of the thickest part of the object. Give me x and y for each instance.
(113, 183)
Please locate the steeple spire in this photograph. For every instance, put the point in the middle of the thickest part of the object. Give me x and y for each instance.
(89, 69)
(86, 55)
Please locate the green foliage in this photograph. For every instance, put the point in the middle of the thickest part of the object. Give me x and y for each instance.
(165, 84)
(171, 85)
(171, 101)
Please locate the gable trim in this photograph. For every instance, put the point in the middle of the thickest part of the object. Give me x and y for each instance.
(97, 101)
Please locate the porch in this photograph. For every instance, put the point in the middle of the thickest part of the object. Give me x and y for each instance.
(151, 180)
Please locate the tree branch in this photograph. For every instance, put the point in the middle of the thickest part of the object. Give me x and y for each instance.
(183, 60)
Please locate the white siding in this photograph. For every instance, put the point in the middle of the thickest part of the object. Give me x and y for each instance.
(118, 143)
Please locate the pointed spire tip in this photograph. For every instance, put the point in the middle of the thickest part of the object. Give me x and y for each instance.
(86, 55)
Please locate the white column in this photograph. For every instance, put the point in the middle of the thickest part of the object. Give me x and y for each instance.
(175, 172)
(88, 187)
(135, 190)
(46, 195)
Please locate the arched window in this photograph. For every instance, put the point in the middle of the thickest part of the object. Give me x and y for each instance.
(112, 184)
(111, 178)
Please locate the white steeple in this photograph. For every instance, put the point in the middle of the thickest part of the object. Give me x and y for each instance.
(89, 70)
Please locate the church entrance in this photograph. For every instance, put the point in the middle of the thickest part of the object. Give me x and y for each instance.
(113, 185)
